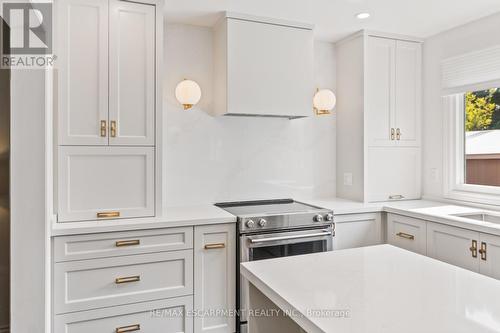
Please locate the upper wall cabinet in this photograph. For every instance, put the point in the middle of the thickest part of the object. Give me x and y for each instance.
(106, 91)
(379, 117)
(393, 92)
(263, 67)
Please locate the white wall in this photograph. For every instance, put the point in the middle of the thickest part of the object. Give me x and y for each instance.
(231, 158)
(477, 35)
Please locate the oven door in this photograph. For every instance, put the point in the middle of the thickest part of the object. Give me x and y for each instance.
(275, 245)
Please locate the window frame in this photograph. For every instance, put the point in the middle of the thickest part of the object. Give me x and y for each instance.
(454, 157)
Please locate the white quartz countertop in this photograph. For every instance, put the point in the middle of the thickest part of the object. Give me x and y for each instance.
(383, 289)
(174, 217)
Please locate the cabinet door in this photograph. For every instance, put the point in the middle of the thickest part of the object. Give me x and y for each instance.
(407, 233)
(215, 277)
(490, 259)
(82, 50)
(407, 113)
(266, 60)
(393, 173)
(103, 182)
(132, 73)
(452, 245)
(163, 316)
(357, 230)
(379, 90)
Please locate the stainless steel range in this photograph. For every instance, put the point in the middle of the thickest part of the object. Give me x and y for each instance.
(276, 228)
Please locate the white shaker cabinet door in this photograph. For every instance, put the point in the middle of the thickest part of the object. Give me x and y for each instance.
(407, 113)
(407, 233)
(214, 277)
(132, 73)
(490, 258)
(453, 245)
(357, 230)
(105, 182)
(379, 91)
(82, 50)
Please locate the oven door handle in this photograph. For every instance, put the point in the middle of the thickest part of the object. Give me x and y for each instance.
(280, 238)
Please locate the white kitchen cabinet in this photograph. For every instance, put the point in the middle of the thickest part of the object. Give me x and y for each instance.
(82, 50)
(263, 67)
(455, 246)
(489, 260)
(105, 182)
(393, 174)
(163, 316)
(214, 277)
(106, 86)
(131, 73)
(357, 230)
(407, 233)
(88, 284)
(378, 117)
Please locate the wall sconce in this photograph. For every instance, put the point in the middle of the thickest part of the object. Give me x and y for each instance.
(324, 101)
(188, 93)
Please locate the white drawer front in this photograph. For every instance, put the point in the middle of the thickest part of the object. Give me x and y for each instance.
(165, 316)
(89, 284)
(113, 244)
(100, 182)
(407, 233)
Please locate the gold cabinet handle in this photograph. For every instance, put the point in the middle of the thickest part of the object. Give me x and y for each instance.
(396, 197)
(131, 328)
(392, 133)
(127, 242)
(215, 246)
(128, 279)
(482, 251)
(473, 249)
(108, 214)
(398, 134)
(405, 236)
(112, 128)
(103, 128)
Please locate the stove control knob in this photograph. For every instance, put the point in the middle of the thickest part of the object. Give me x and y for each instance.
(250, 224)
(318, 218)
(262, 222)
(329, 217)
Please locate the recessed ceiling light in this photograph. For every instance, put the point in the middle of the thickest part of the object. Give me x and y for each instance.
(363, 16)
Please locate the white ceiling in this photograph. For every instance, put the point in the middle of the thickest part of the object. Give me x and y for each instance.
(335, 19)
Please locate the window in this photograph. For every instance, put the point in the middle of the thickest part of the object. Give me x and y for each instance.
(482, 137)
(472, 146)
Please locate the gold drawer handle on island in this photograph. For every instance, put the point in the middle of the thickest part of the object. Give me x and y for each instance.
(405, 236)
(127, 242)
(128, 279)
(215, 246)
(108, 214)
(482, 251)
(131, 328)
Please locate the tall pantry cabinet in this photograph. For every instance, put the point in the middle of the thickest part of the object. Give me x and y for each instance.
(379, 117)
(107, 101)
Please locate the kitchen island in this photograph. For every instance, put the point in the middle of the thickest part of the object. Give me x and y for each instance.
(378, 289)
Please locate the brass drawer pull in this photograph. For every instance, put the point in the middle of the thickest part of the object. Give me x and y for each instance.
(482, 251)
(108, 214)
(396, 197)
(392, 133)
(128, 279)
(398, 134)
(103, 128)
(215, 246)
(473, 249)
(131, 328)
(113, 128)
(405, 236)
(128, 242)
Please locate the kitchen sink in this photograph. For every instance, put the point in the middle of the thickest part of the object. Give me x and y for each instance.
(480, 216)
